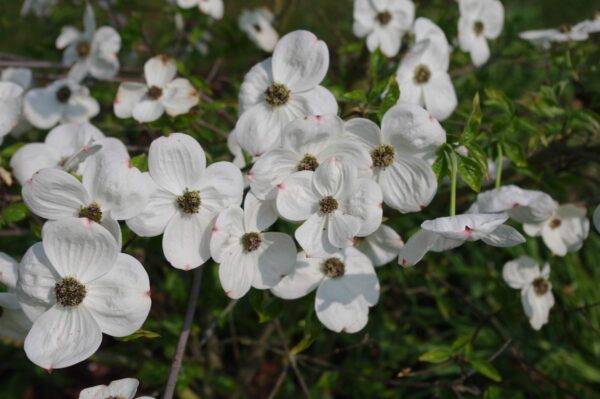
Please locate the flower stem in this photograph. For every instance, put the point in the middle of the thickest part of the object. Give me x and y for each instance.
(185, 333)
(453, 176)
(499, 166)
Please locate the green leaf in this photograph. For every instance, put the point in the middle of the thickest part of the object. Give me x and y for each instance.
(355, 96)
(497, 99)
(474, 122)
(436, 356)
(460, 342)
(140, 334)
(312, 329)
(514, 151)
(492, 392)
(10, 150)
(476, 153)
(471, 172)
(485, 368)
(440, 166)
(376, 61)
(139, 161)
(15, 212)
(391, 97)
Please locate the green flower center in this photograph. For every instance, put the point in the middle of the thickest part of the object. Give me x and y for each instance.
(328, 204)
(422, 74)
(154, 92)
(92, 212)
(277, 94)
(83, 49)
(384, 17)
(383, 155)
(540, 285)
(251, 241)
(63, 94)
(309, 162)
(478, 27)
(333, 268)
(189, 201)
(555, 224)
(69, 292)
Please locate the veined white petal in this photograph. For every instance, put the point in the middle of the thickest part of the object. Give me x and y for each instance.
(186, 241)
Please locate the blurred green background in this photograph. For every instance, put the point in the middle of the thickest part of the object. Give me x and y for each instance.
(453, 306)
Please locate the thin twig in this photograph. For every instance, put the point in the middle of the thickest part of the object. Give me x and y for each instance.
(292, 360)
(279, 381)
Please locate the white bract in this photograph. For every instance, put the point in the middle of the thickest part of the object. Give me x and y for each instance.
(186, 200)
(22, 77)
(13, 322)
(383, 23)
(40, 8)
(566, 33)
(382, 246)
(334, 203)
(258, 25)
(281, 89)
(63, 101)
(479, 21)
(423, 78)
(66, 146)
(524, 274)
(305, 144)
(249, 257)
(346, 284)
(563, 231)
(110, 190)
(119, 389)
(408, 136)
(92, 51)
(162, 92)
(446, 233)
(524, 206)
(74, 286)
(11, 98)
(425, 29)
(212, 8)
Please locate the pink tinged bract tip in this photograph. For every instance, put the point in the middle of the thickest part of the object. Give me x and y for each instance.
(281, 186)
(468, 231)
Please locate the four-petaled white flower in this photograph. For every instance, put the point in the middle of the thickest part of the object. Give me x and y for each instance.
(565, 33)
(13, 322)
(187, 199)
(446, 233)
(382, 246)
(479, 21)
(258, 25)
(74, 286)
(524, 274)
(11, 99)
(563, 231)
(335, 204)
(281, 89)
(346, 284)
(247, 256)
(384, 23)
(162, 92)
(408, 135)
(92, 51)
(118, 389)
(212, 8)
(63, 101)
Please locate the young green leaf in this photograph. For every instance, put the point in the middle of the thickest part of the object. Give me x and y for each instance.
(485, 368)
(471, 172)
(436, 356)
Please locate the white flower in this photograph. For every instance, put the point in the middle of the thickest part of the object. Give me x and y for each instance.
(13, 322)
(187, 199)
(408, 134)
(425, 29)
(423, 79)
(524, 206)
(479, 20)
(384, 23)
(335, 204)
(92, 51)
(212, 8)
(247, 256)
(110, 190)
(346, 285)
(597, 218)
(382, 246)
(258, 26)
(22, 77)
(524, 274)
(564, 231)
(11, 98)
(305, 144)
(566, 33)
(162, 92)
(66, 146)
(281, 89)
(446, 233)
(74, 286)
(62, 101)
(40, 8)
(119, 389)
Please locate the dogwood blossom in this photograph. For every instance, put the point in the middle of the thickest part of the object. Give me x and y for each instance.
(119, 389)
(408, 134)
(281, 89)
(63, 101)
(383, 23)
(162, 92)
(334, 203)
(187, 199)
(11, 97)
(346, 284)
(446, 233)
(423, 79)
(565, 33)
(212, 8)
(13, 322)
(305, 144)
(382, 246)
(258, 25)
(524, 274)
(22, 77)
(74, 286)
(563, 231)
(249, 257)
(479, 21)
(66, 146)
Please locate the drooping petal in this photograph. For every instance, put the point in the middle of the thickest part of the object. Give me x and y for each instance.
(469, 226)
(382, 246)
(228, 228)
(480, 51)
(296, 199)
(236, 271)
(504, 236)
(537, 307)
(339, 308)
(128, 96)
(30, 158)
(416, 247)
(304, 278)
(159, 71)
(186, 241)
(440, 97)
(276, 260)
(179, 96)
(520, 272)
(258, 215)
(154, 218)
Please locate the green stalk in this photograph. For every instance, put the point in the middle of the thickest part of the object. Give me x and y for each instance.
(499, 166)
